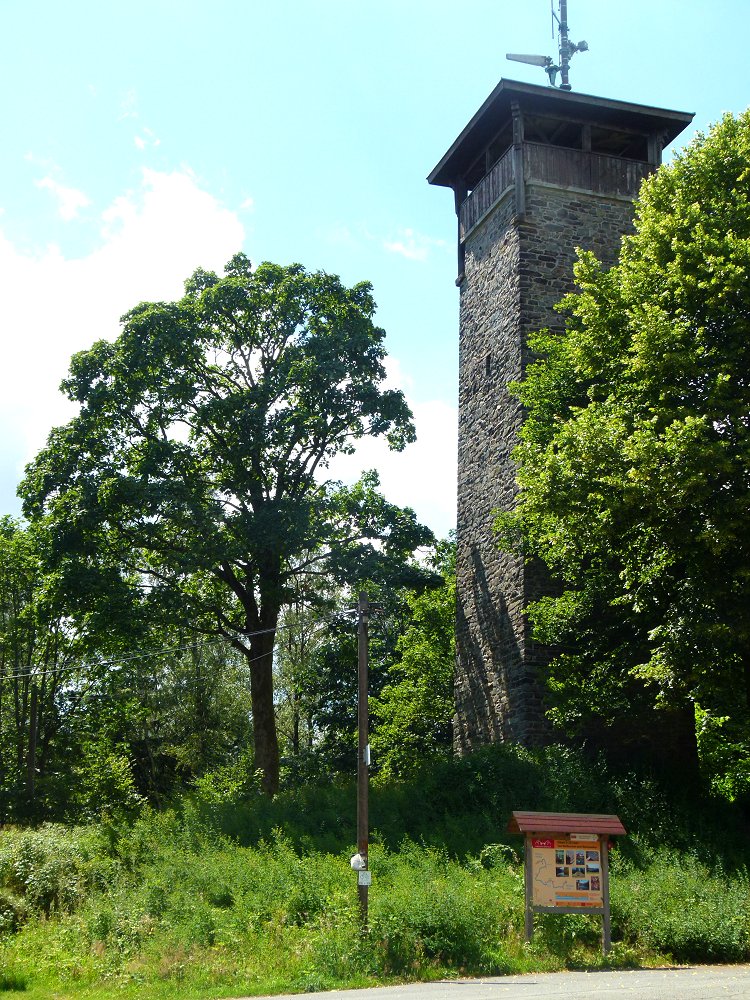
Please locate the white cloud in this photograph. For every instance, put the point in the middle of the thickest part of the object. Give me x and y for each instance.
(412, 245)
(146, 138)
(152, 239)
(43, 162)
(248, 204)
(423, 476)
(128, 105)
(69, 200)
(339, 235)
(396, 377)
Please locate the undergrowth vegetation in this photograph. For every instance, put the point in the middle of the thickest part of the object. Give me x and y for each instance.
(252, 896)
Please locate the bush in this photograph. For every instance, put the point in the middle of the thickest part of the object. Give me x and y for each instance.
(13, 912)
(428, 908)
(53, 868)
(103, 785)
(679, 906)
(12, 982)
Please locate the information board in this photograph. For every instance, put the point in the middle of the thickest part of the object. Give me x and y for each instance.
(567, 871)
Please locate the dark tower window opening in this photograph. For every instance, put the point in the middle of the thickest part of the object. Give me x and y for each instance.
(475, 173)
(500, 145)
(553, 132)
(626, 145)
(573, 134)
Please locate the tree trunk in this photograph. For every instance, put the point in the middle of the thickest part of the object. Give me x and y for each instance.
(295, 723)
(260, 658)
(31, 755)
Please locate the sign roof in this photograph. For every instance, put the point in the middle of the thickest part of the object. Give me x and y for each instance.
(549, 822)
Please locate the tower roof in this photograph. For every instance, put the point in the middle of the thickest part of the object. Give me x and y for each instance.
(496, 111)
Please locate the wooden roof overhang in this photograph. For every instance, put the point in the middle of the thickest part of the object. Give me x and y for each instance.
(533, 99)
(548, 822)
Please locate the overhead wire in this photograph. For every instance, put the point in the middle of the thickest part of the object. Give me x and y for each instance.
(144, 655)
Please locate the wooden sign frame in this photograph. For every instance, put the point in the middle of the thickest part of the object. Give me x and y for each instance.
(566, 865)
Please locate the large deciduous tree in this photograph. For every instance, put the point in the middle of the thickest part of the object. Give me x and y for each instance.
(634, 464)
(197, 458)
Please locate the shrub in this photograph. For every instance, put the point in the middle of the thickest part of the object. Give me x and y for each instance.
(54, 867)
(170, 897)
(13, 912)
(103, 784)
(12, 982)
(433, 908)
(679, 906)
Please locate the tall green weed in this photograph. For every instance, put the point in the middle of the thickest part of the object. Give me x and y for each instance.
(258, 897)
(680, 906)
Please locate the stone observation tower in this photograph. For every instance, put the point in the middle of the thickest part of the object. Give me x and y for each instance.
(536, 173)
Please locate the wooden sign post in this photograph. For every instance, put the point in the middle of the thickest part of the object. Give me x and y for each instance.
(566, 864)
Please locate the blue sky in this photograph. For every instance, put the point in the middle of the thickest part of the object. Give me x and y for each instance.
(142, 140)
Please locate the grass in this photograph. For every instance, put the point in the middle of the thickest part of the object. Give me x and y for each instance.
(252, 897)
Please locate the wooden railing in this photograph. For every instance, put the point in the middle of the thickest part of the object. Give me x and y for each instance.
(568, 168)
(487, 192)
(591, 171)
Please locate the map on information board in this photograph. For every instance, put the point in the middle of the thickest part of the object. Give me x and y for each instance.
(566, 872)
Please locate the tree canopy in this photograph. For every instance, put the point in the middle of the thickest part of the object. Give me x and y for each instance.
(634, 463)
(414, 711)
(39, 651)
(193, 474)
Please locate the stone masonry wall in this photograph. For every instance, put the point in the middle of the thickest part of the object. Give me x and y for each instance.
(516, 270)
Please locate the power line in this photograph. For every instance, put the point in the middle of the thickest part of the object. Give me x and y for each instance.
(141, 655)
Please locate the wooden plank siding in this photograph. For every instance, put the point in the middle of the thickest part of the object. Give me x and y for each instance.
(566, 168)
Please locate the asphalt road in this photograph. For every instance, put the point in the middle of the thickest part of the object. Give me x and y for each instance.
(716, 982)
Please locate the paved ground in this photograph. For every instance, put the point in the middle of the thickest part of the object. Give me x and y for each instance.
(717, 982)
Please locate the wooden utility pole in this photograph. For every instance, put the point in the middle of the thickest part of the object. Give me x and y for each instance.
(363, 757)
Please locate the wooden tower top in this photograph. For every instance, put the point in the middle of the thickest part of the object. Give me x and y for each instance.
(527, 113)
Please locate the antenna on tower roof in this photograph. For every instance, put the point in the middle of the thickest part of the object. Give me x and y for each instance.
(567, 49)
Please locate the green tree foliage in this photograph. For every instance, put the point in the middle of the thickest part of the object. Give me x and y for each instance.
(90, 723)
(172, 709)
(303, 632)
(39, 654)
(195, 466)
(204, 702)
(413, 714)
(316, 659)
(634, 464)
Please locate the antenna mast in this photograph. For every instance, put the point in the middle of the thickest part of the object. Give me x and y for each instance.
(567, 49)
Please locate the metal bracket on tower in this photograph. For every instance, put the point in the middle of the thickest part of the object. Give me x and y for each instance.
(566, 49)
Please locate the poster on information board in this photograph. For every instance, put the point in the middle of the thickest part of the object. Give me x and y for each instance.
(566, 871)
